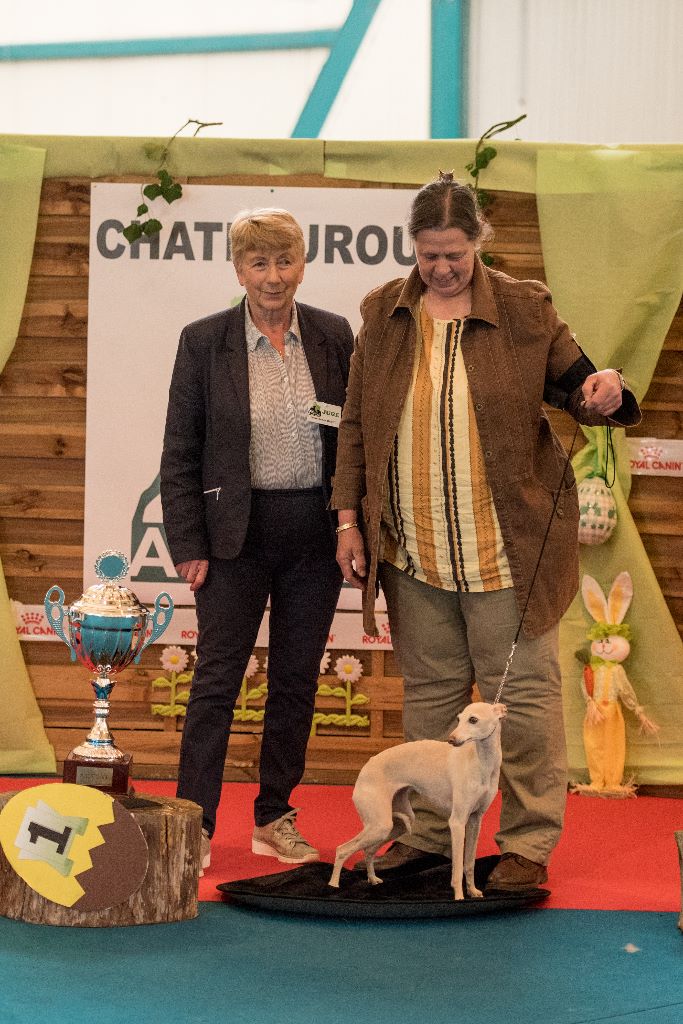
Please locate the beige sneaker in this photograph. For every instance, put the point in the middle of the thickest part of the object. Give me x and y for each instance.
(282, 839)
(204, 852)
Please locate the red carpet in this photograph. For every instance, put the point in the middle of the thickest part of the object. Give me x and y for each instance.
(613, 855)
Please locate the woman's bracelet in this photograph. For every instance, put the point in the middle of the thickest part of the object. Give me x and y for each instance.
(346, 526)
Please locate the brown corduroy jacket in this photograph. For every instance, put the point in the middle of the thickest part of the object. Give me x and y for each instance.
(518, 353)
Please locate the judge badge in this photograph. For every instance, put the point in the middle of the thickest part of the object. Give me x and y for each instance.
(325, 413)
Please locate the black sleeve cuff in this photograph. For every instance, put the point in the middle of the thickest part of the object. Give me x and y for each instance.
(558, 391)
(628, 414)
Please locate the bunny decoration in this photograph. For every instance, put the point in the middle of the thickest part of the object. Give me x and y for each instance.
(605, 685)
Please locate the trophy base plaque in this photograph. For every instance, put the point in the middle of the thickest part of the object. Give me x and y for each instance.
(112, 777)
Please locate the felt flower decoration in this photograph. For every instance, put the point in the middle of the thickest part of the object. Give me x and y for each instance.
(348, 668)
(325, 662)
(174, 659)
(252, 667)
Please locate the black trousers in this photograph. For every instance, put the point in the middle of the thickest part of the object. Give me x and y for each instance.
(289, 555)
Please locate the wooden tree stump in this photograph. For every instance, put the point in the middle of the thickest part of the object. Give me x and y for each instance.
(172, 830)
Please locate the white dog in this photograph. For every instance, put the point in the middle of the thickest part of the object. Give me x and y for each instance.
(459, 778)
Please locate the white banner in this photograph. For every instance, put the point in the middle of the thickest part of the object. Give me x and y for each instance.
(140, 298)
(653, 456)
(347, 629)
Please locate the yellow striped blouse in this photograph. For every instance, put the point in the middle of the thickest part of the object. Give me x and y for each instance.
(439, 523)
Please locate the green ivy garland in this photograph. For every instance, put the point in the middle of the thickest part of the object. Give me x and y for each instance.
(166, 187)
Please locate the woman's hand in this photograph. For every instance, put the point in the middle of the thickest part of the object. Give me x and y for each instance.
(193, 572)
(351, 557)
(602, 392)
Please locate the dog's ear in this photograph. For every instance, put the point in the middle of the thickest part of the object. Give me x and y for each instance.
(500, 710)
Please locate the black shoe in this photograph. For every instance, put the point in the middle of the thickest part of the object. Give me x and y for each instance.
(401, 859)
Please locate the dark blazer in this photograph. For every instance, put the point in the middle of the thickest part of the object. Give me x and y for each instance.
(205, 476)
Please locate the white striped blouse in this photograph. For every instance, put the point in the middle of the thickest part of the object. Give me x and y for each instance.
(285, 451)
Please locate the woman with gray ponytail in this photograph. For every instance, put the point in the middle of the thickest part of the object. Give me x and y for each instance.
(448, 475)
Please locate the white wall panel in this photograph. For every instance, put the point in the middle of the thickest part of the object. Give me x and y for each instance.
(46, 21)
(386, 94)
(604, 71)
(254, 95)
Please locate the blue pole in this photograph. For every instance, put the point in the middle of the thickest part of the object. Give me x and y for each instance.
(319, 38)
(447, 120)
(334, 70)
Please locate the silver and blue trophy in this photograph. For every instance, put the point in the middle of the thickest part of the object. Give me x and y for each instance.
(106, 630)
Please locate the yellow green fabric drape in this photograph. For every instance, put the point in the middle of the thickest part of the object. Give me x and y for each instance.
(612, 234)
(23, 744)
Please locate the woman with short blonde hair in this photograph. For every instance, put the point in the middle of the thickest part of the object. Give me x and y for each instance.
(266, 230)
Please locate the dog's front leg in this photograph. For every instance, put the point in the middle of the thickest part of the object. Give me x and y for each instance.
(457, 845)
(472, 829)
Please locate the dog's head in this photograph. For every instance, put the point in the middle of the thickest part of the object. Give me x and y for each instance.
(477, 721)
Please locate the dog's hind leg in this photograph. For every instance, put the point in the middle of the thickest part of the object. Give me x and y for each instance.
(368, 839)
(402, 822)
(370, 853)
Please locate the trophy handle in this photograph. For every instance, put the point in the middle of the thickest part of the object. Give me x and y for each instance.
(55, 612)
(160, 620)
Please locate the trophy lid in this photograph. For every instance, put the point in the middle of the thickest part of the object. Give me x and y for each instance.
(108, 598)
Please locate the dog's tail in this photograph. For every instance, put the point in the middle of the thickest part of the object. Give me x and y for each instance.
(402, 812)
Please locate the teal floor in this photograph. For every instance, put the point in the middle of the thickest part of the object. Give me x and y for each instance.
(240, 966)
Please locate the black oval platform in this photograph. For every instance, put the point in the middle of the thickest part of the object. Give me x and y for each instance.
(422, 894)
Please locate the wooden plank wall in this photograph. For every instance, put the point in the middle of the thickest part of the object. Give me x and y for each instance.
(42, 452)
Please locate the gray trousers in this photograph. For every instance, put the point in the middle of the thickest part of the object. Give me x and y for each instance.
(444, 642)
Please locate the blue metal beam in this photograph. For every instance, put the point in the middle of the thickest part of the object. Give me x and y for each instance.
(334, 70)
(447, 121)
(319, 38)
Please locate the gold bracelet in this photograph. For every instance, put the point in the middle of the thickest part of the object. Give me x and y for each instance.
(622, 382)
(346, 526)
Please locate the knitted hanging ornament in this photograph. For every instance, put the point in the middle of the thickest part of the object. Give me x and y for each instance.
(597, 507)
(597, 511)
